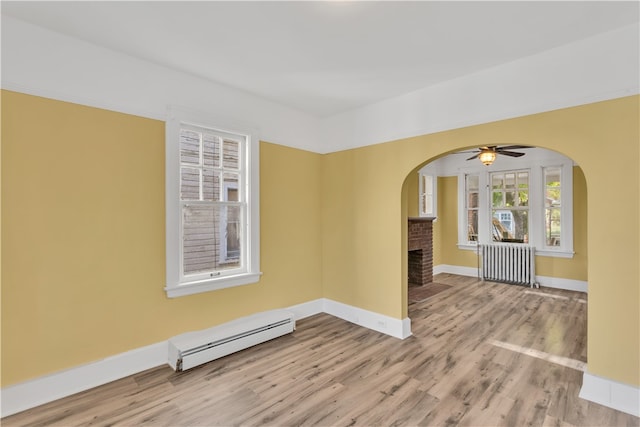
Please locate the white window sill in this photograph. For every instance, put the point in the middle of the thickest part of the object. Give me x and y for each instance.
(539, 252)
(208, 285)
(467, 246)
(555, 253)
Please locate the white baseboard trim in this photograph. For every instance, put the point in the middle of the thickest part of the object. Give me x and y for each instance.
(306, 309)
(456, 269)
(623, 397)
(32, 393)
(398, 328)
(546, 281)
(559, 283)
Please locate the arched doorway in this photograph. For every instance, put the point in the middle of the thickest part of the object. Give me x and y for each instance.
(471, 197)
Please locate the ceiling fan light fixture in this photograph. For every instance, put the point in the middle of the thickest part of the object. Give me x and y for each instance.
(487, 157)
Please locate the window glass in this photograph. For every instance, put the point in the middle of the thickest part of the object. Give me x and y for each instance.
(472, 189)
(212, 202)
(509, 206)
(428, 200)
(552, 212)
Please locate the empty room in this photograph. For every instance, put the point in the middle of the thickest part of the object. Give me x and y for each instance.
(320, 213)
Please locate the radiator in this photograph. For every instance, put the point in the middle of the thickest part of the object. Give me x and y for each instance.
(195, 348)
(508, 264)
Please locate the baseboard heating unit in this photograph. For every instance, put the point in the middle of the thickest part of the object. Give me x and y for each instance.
(195, 348)
(508, 263)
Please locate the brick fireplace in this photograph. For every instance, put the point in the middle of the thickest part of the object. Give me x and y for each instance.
(420, 246)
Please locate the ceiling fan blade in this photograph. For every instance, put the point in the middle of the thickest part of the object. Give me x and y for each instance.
(510, 153)
(512, 147)
(471, 158)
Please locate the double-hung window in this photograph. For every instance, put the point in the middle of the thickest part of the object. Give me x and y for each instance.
(552, 206)
(530, 206)
(428, 188)
(510, 206)
(212, 236)
(472, 204)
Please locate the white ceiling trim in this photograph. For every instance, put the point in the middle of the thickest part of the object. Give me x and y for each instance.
(328, 57)
(45, 63)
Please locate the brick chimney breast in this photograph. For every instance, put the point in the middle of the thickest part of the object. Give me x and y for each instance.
(420, 246)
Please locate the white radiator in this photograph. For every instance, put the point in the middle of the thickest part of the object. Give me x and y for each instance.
(195, 348)
(508, 263)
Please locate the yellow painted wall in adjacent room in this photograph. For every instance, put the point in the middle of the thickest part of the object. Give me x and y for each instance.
(364, 206)
(83, 259)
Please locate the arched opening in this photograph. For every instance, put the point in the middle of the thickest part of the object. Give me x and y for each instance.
(536, 198)
(550, 322)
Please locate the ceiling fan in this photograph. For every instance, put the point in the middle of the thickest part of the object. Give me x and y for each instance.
(488, 154)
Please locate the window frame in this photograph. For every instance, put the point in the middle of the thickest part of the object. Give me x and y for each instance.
(178, 284)
(425, 174)
(536, 206)
(509, 209)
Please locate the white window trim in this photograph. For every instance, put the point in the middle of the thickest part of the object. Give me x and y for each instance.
(536, 207)
(177, 286)
(422, 212)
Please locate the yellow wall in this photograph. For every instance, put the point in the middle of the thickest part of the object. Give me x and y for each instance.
(83, 238)
(363, 254)
(83, 230)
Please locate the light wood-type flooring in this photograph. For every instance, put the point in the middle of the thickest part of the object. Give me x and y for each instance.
(464, 365)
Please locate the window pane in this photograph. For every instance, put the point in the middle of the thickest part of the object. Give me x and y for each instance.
(510, 225)
(211, 150)
(552, 186)
(210, 234)
(552, 197)
(553, 223)
(231, 187)
(523, 198)
(428, 204)
(497, 181)
(233, 236)
(189, 184)
(510, 198)
(552, 228)
(189, 147)
(427, 184)
(510, 180)
(523, 180)
(230, 154)
(498, 199)
(472, 183)
(200, 238)
(552, 176)
(472, 226)
(472, 201)
(210, 185)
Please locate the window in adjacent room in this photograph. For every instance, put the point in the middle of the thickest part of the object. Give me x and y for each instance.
(529, 206)
(552, 206)
(510, 206)
(428, 195)
(211, 209)
(472, 191)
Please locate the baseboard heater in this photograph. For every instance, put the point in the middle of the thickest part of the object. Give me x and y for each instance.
(195, 348)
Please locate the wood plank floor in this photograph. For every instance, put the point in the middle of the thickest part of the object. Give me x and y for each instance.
(458, 368)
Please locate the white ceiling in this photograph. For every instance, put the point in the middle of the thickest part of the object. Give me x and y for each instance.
(324, 58)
